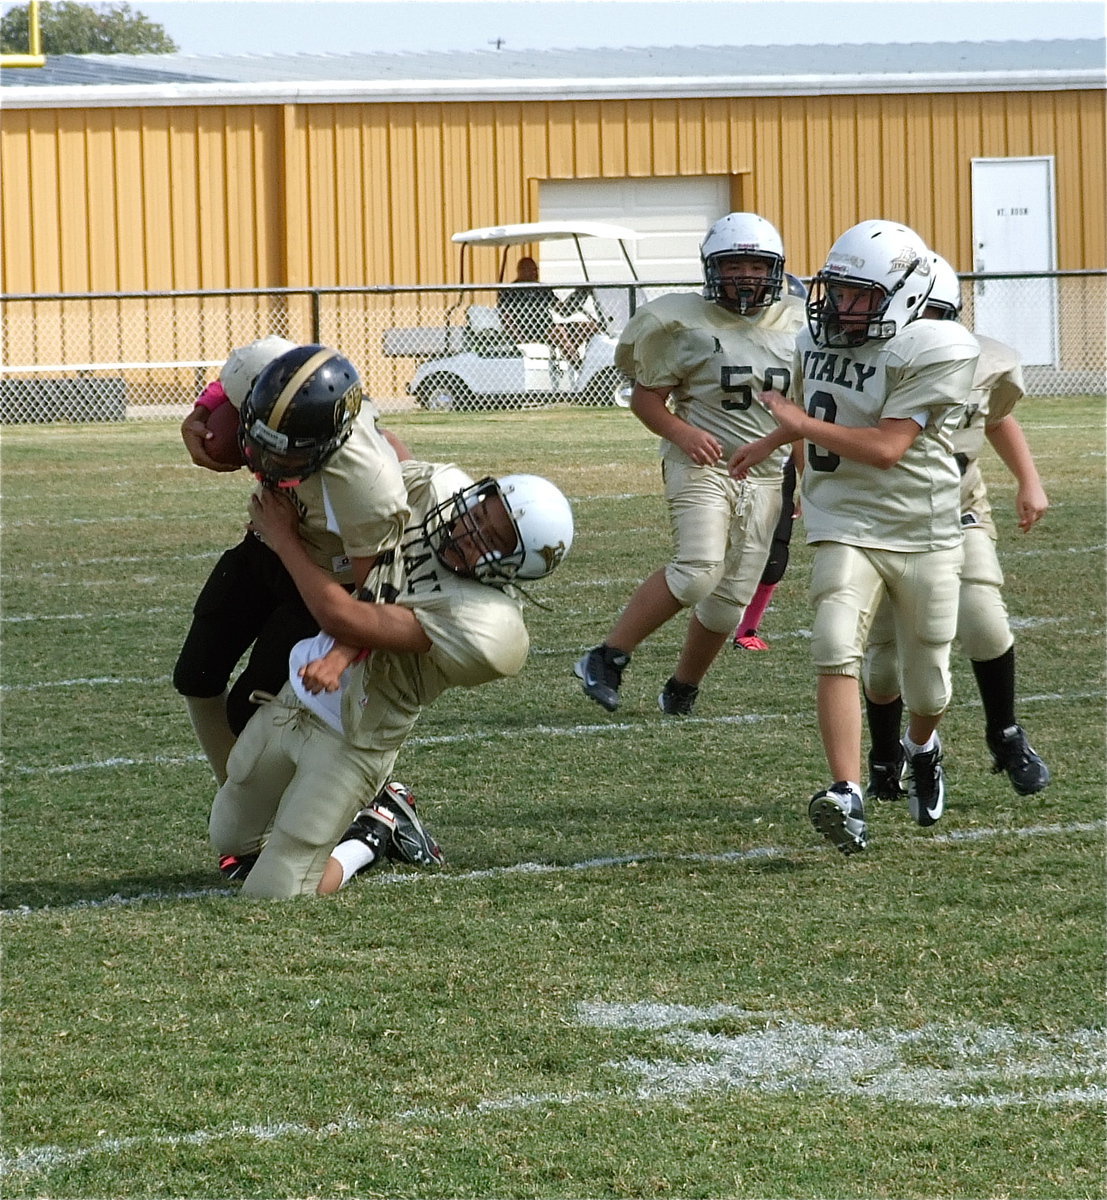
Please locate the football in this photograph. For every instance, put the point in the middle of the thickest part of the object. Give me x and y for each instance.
(223, 446)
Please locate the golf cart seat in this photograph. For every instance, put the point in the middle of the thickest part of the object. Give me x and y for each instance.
(485, 335)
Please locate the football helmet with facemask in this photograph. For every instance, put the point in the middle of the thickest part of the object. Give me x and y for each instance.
(944, 301)
(460, 529)
(300, 409)
(875, 282)
(741, 236)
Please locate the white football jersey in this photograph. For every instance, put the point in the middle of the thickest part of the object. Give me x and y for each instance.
(997, 387)
(356, 506)
(477, 632)
(923, 373)
(715, 364)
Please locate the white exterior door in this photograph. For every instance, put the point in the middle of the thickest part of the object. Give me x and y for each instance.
(1014, 229)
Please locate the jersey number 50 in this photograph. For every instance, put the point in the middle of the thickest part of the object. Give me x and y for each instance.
(778, 378)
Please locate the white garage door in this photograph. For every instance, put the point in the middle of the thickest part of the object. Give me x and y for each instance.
(673, 214)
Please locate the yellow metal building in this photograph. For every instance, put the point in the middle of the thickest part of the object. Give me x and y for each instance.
(130, 174)
(170, 187)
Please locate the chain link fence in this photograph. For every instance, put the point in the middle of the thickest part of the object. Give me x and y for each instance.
(146, 355)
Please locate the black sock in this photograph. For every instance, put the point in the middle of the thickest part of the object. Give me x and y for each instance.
(995, 680)
(885, 729)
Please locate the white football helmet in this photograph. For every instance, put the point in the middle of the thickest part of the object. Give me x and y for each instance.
(538, 511)
(945, 295)
(742, 235)
(246, 363)
(882, 258)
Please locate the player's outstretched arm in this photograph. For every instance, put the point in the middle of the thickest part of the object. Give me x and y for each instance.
(389, 627)
(881, 445)
(752, 453)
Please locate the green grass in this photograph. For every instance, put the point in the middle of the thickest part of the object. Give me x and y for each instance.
(641, 975)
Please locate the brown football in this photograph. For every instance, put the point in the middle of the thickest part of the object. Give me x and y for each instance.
(223, 446)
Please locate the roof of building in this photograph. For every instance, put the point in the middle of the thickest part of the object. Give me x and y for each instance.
(550, 74)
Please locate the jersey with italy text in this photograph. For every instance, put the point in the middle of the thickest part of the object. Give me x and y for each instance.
(715, 364)
(476, 630)
(997, 387)
(923, 373)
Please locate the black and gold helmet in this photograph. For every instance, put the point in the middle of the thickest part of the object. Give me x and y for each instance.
(301, 408)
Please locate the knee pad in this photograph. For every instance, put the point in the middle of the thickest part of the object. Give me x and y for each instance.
(691, 582)
(196, 678)
(983, 627)
(719, 614)
(880, 669)
(834, 639)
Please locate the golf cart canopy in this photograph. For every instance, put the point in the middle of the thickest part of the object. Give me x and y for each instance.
(542, 231)
(545, 231)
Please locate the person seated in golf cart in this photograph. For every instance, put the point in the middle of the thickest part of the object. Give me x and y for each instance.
(530, 314)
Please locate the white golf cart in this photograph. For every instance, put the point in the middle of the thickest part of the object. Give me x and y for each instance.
(486, 359)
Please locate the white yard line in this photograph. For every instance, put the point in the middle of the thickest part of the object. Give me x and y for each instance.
(589, 729)
(450, 877)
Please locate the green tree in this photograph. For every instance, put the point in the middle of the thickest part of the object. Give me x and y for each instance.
(71, 28)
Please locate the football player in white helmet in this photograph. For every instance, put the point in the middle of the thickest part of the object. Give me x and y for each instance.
(311, 432)
(872, 389)
(450, 617)
(699, 362)
(983, 627)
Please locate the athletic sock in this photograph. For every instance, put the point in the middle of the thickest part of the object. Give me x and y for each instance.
(995, 680)
(913, 749)
(885, 726)
(755, 610)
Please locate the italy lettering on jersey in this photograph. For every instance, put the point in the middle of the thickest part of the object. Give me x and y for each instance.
(924, 372)
(997, 387)
(715, 364)
(476, 631)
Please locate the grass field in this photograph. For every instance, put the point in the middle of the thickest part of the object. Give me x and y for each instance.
(642, 974)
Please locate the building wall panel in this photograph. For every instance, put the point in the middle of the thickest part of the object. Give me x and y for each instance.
(289, 195)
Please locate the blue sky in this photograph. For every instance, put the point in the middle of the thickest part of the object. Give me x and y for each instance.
(318, 26)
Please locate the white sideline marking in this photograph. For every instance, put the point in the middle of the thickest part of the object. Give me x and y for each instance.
(97, 681)
(488, 735)
(57, 566)
(445, 739)
(22, 619)
(992, 1067)
(428, 878)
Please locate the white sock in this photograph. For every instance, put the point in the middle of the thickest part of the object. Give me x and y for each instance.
(912, 749)
(351, 857)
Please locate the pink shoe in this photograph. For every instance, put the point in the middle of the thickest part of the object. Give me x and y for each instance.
(749, 641)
